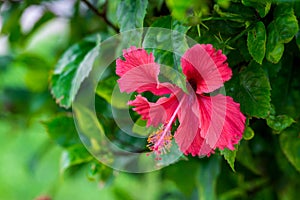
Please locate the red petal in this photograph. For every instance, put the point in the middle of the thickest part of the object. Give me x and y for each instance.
(188, 135)
(139, 73)
(221, 121)
(205, 68)
(155, 113)
(133, 57)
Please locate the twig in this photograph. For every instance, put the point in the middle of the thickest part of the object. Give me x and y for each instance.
(101, 15)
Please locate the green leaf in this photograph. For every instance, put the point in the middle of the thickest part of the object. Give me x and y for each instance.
(168, 43)
(261, 6)
(184, 10)
(140, 127)
(74, 155)
(207, 178)
(106, 90)
(244, 156)
(298, 39)
(229, 156)
(290, 145)
(72, 68)
(281, 30)
(256, 42)
(280, 122)
(252, 90)
(131, 13)
(248, 133)
(62, 130)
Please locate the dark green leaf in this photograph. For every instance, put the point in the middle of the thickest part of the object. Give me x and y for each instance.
(298, 39)
(252, 90)
(290, 145)
(261, 6)
(106, 90)
(229, 156)
(256, 42)
(280, 31)
(74, 155)
(75, 65)
(207, 178)
(62, 130)
(244, 156)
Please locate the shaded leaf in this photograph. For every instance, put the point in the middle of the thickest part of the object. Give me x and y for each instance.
(290, 145)
(207, 178)
(73, 67)
(280, 122)
(252, 90)
(256, 42)
(261, 6)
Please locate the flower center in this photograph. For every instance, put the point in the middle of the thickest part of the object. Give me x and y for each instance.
(160, 141)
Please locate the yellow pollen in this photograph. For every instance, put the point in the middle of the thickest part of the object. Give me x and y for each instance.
(160, 141)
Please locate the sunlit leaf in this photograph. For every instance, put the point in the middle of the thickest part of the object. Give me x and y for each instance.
(229, 156)
(248, 133)
(74, 155)
(73, 67)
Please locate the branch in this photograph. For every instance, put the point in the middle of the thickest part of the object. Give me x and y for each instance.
(101, 15)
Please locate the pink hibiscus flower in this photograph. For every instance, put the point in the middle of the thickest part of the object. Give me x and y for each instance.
(205, 122)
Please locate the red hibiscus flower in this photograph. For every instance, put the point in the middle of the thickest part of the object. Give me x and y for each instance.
(205, 122)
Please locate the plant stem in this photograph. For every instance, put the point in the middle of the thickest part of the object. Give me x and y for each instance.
(101, 15)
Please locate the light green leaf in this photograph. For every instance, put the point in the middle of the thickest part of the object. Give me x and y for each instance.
(290, 145)
(62, 130)
(248, 133)
(131, 13)
(261, 6)
(254, 91)
(280, 122)
(74, 155)
(73, 67)
(256, 42)
(229, 156)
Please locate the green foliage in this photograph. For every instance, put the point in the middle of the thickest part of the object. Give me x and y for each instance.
(251, 88)
(281, 30)
(70, 71)
(256, 42)
(290, 145)
(261, 40)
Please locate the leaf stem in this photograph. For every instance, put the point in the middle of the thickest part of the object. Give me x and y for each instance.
(101, 15)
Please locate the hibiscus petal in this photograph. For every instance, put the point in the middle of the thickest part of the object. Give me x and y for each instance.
(187, 135)
(155, 113)
(221, 121)
(205, 68)
(133, 57)
(139, 73)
